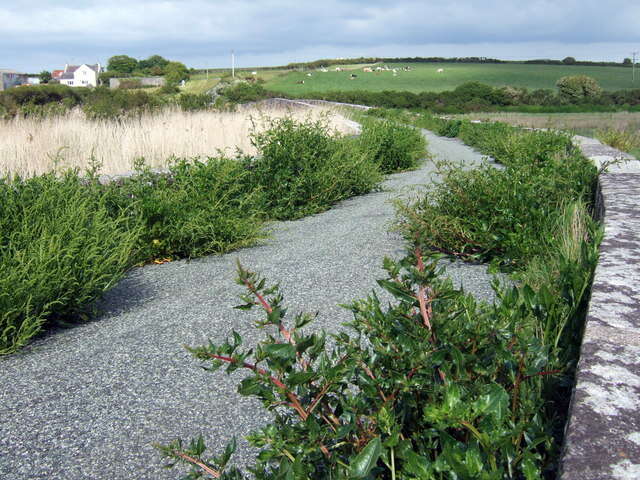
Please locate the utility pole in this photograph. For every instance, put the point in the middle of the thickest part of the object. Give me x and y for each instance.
(233, 64)
(633, 66)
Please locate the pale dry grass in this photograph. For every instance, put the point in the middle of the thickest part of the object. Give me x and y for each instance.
(32, 146)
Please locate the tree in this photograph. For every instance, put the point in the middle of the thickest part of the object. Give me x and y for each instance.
(175, 72)
(154, 62)
(569, 61)
(578, 87)
(45, 76)
(626, 61)
(122, 64)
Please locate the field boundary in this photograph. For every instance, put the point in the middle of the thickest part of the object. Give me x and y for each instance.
(602, 438)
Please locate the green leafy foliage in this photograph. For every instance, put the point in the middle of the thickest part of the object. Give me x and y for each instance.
(197, 208)
(506, 214)
(122, 64)
(60, 249)
(394, 147)
(575, 88)
(63, 241)
(432, 385)
(244, 92)
(302, 168)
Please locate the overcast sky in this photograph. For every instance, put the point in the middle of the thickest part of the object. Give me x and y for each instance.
(45, 34)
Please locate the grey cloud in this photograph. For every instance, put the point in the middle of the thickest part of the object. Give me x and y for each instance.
(198, 28)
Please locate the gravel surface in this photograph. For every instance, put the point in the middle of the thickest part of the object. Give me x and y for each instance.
(89, 401)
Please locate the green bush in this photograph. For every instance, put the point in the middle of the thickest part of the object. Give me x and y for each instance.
(244, 92)
(190, 102)
(392, 146)
(302, 169)
(450, 128)
(60, 249)
(197, 208)
(106, 103)
(578, 88)
(504, 214)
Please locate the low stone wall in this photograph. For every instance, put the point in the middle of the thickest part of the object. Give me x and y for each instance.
(141, 81)
(603, 432)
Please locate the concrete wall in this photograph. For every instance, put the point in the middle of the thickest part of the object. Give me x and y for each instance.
(12, 79)
(144, 81)
(602, 439)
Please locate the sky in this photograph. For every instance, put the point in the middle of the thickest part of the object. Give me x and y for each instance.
(45, 34)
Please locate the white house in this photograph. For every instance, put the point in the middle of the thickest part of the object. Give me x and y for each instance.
(79, 75)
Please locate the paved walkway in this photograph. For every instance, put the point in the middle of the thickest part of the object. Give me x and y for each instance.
(88, 402)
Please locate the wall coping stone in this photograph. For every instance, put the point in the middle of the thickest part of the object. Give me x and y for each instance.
(602, 438)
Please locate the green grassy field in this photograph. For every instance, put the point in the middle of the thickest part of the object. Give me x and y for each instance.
(201, 82)
(424, 77)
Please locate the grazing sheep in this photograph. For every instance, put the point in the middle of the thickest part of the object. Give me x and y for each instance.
(367, 69)
(338, 69)
(308, 74)
(440, 70)
(254, 73)
(353, 76)
(301, 82)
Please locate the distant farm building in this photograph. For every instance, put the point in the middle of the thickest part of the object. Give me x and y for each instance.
(12, 78)
(78, 75)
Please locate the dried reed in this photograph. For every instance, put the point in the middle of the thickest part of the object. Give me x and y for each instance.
(34, 146)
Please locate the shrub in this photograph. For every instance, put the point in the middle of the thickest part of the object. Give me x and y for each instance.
(105, 103)
(197, 208)
(450, 129)
(60, 249)
(578, 88)
(194, 101)
(504, 214)
(392, 146)
(302, 169)
(244, 92)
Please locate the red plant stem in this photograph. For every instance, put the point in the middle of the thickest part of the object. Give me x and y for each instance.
(202, 465)
(373, 377)
(269, 309)
(539, 374)
(426, 317)
(295, 402)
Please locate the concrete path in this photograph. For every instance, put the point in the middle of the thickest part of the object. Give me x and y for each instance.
(88, 402)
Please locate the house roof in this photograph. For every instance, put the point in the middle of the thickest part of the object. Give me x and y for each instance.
(73, 68)
(8, 70)
(57, 73)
